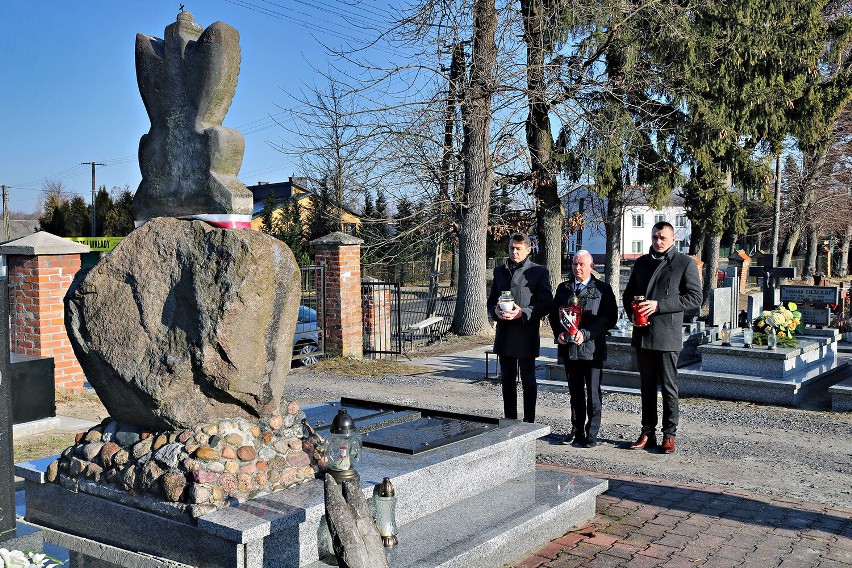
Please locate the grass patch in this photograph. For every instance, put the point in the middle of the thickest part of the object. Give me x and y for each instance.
(367, 367)
(41, 445)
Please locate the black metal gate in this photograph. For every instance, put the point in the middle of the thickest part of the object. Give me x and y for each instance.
(309, 339)
(381, 317)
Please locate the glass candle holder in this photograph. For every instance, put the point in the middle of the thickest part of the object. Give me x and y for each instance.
(771, 340)
(748, 336)
(344, 447)
(506, 302)
(385, 501)
(725, 334)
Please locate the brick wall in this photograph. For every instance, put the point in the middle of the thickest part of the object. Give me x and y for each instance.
(38, 284)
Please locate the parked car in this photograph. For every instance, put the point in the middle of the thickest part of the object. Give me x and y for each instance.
(306, 340)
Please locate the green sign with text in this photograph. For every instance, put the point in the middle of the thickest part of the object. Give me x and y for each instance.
(97, 244)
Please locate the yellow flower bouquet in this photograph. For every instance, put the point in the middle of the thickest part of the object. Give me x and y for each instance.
(783, 321)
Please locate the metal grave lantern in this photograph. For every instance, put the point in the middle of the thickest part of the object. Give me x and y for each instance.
(344, 447)
(385, 501)
(569, 317)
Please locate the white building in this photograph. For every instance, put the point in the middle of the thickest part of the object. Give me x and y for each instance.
(636, 225)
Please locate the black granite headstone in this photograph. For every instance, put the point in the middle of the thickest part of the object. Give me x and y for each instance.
(7, 476)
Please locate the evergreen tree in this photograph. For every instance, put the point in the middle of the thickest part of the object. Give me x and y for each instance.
(103, 205)
(78, 220)
(742, 67)
(323, 216)
(118, 222)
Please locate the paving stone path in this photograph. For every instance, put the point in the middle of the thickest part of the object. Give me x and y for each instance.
(644, 522)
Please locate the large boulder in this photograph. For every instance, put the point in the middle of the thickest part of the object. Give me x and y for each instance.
(184, 322)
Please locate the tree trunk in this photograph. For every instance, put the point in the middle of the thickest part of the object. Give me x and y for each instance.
(696, 241)
(811, 255)
(549, 212)
(612, 264)
(790, 245)
(470, 317)
(843, 263)
(711, 264)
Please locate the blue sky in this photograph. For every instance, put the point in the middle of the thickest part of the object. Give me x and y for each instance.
(69, 91)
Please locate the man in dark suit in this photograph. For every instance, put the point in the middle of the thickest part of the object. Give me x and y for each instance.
(670, 284)
(516, 341)
(584, 352)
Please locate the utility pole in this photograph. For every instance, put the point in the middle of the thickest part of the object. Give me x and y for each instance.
(93, 164)
(7, 234)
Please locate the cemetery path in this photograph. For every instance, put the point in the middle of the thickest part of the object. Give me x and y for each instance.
(777, 451)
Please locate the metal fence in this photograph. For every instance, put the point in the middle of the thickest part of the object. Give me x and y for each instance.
(382, 324)
(309, 339)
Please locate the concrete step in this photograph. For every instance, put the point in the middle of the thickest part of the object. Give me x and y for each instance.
(498, 526)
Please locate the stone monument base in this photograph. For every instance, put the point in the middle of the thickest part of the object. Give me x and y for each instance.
(475, 500)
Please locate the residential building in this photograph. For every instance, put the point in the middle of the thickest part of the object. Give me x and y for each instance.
(636, 225)
(283, 191)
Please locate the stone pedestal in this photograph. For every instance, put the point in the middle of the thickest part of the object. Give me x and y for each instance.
(340, 254)
(476, 501)
(786, 376)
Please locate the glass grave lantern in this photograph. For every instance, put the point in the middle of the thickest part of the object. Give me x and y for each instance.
(344, 448)
(748, 336)
(385, 501)
(725, 334)
(506, 302)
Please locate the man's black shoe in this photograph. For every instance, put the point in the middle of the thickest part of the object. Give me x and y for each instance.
(591, 443)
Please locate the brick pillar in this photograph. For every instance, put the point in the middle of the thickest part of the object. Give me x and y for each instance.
(341, 255)
(41, 267)
(377, 317)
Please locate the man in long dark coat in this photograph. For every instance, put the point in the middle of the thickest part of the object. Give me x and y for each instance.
(516, 342)
(670, 283)
(584, 352)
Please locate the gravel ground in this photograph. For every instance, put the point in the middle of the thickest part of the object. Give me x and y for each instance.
(801, 454)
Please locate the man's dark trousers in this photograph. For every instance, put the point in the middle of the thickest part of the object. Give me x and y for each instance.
(509, 376)
(658, 367)
(585, 376)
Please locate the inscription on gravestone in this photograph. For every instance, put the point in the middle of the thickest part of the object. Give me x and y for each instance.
(817, 296)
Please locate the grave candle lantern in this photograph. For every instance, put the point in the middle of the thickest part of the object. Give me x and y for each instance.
(748, 336)
(725, 334)
(639, 319)
(771, 340)
(569, 317)
(506, 302)
(344, 447)
(385, 500)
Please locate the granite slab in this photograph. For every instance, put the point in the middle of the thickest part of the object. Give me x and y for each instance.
(841, 396)
(498, 526)
(282, 529)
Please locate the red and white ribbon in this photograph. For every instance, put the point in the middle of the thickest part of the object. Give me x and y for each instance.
(222, 221)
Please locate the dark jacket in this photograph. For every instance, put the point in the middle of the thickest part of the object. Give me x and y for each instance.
(530, 287)
(675, 284)
(600, 313)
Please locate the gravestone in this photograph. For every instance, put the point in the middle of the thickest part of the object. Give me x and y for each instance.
(754, 306)
(812, 302)
(7, 477)
(725, 301)
(721, 302)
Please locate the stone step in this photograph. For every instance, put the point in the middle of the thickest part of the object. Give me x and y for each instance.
(498, 526)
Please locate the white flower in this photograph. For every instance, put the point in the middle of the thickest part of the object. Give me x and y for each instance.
(18, 559)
